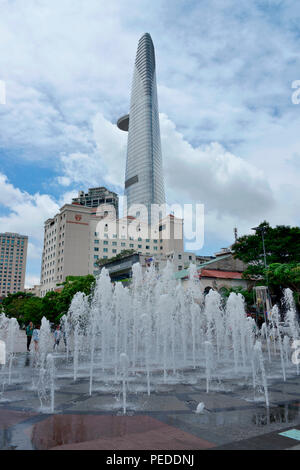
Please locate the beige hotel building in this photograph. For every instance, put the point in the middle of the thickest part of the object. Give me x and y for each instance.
(78, 236)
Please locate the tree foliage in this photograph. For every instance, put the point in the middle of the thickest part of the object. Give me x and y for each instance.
(26, 307)
(247, 294)
(72, 285)
(282, 245)
(123, 254)
(284, 275)
(19, 306)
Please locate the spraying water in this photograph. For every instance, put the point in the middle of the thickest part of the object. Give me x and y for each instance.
(164, 331)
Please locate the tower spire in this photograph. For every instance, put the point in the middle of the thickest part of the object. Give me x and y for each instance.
(144, 182)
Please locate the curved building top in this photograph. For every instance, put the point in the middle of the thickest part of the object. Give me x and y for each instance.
(144, 183)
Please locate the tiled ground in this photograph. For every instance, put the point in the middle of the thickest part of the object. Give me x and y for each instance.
(164, 420)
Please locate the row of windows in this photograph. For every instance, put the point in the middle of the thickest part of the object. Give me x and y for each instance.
(131, 245)
(106, 242)
(11, 250)
(3, 265)
(7, 240)
(9, 284)
(148, 240)
(10, 275)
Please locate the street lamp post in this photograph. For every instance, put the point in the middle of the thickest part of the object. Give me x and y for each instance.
(262, 230)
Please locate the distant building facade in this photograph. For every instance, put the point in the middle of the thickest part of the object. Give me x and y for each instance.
(13, 257)
(97, 196)
(223, 271)
(121, 269)
(78, 236)
(35, 290)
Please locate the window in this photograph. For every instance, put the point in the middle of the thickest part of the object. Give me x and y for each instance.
(96, 249)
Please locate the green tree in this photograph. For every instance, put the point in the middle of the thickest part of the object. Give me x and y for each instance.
(283, 275)
(32, 310)
(282, 245)
(72, 285)
(50, 305)
(123, 254)
(26, 307)
(13, 305)
(247, 294)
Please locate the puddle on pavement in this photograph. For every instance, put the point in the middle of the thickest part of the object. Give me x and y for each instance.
(60, 430)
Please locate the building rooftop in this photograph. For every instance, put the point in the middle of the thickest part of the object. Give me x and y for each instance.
(12, 234)
(221, 274)
(185, 272)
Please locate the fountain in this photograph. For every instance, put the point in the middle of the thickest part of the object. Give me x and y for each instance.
(155, 333)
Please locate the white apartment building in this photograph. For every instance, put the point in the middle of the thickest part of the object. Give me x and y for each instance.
(78, 236)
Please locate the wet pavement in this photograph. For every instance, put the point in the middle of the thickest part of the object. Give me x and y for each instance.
(165, 420)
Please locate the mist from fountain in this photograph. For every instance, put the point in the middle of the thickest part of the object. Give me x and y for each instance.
(158, 332)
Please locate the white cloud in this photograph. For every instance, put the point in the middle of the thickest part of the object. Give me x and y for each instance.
(211, 175)
(105, 163)
(26, 214)
(31, 281)
(67, 197)
(234, 191)
(34, 251)
(224, 72)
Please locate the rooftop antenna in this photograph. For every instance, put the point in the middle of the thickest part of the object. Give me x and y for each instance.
(235, 233)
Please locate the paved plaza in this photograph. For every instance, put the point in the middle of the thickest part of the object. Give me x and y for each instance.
(165, 420)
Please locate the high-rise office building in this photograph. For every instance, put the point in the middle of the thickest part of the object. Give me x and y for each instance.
(12, 262)
(144, 182)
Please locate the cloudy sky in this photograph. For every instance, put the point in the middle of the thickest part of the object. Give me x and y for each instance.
(229, 128)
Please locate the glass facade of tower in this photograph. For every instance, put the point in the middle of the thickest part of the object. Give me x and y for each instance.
(144, 174)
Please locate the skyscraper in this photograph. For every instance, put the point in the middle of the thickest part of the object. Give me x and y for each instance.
(144, 182)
